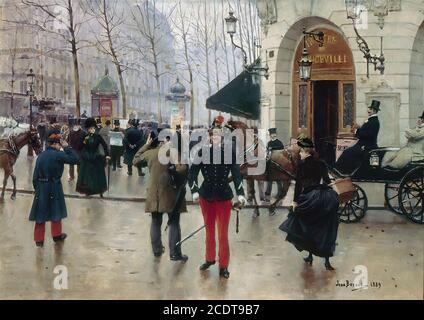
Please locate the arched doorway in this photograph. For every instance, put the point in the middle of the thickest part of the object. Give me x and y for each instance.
(324, 107)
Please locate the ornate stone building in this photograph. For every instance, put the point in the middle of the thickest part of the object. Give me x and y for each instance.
(339, 90)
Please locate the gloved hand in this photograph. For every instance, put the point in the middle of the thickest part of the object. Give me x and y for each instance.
(195, 197)
(242, 200)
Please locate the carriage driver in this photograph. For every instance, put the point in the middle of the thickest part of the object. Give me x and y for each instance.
(215, 197)
(367, 134)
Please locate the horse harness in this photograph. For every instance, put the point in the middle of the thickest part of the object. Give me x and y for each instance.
(13, 148)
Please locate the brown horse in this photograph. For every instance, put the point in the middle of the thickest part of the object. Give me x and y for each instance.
(281, 165)
(9, 152)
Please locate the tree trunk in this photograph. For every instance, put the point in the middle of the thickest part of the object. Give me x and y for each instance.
(76, 81)
(123, 91)
(74, 52)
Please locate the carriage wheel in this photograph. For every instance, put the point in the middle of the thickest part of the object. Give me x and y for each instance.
(355, 209)
(391, 195)
(411, 195)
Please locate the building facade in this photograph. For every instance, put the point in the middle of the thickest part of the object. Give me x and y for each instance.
(339, 91)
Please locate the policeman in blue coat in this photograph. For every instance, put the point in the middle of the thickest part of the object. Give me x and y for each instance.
(49, 200)
(367, 134)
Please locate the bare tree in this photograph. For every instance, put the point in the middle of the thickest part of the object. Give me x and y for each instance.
(205, 44)
(185, 33)
(111, 18)
(149, 38)
(70, 15)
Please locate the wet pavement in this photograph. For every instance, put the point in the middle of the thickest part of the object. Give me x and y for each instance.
(108, 256)
(108, 253)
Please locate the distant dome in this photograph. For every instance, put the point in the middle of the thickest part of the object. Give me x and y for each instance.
(178, 88)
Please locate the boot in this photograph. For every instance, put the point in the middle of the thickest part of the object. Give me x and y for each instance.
(39, 244)
(159, 253)
(129, 171)
(60, 238)
(206, 265)
(328, 265)
(309, 259)
(181, 257)
(223, 272)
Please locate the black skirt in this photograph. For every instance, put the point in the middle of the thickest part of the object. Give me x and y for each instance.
(314, 224)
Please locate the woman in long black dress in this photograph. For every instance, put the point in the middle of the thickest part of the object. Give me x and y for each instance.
(94, 154)
(313, 222)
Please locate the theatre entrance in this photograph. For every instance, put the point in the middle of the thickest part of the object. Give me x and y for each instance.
(324, 106)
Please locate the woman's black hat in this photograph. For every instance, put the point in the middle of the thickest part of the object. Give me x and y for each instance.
(305, 143)
(90, 123)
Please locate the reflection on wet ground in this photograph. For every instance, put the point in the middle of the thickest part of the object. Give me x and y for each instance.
(108, 256)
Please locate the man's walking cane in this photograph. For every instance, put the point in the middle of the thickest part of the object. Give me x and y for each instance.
(108, 175)
(237, 207)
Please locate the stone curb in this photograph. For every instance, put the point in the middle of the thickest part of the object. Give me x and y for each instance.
(141, 200)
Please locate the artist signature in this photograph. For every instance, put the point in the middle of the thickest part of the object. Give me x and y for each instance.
(358, 285)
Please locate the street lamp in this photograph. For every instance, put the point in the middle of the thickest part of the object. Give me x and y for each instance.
(30, 92)
(305, 63)
(231, 22)
(353, 11)
(305, 66)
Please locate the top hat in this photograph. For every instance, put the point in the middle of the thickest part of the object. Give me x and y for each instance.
(422, 116)
(305, 143)
(375, 105)
(272, 130)
(90, 123)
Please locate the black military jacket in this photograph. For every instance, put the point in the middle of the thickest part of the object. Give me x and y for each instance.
(215, 186)
(275, 145)
(367, 134)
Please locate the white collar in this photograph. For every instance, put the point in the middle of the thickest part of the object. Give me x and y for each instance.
(372, 116)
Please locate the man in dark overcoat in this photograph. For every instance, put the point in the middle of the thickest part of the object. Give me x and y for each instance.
(367, 135)
(76, 137)
(49, 200)
(132, 143)
(274, 144)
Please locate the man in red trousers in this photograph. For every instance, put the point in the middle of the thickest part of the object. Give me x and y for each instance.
(49, 200)
(215, 196)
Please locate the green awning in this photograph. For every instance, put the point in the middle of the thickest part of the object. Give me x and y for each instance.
(241, 97)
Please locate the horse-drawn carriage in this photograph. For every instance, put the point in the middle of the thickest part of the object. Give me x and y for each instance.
(403, 190)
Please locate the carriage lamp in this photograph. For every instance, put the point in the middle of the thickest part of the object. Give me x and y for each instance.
(231, 22)
(374, 159)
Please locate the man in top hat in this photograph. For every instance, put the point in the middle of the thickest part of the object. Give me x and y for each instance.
(99, 125)
(49, 200)
(132, 142)
(412, 151)
(367, 135)
(273, 145)
(76, 136)
(215, 196)
(116, 144)
(104, 132)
